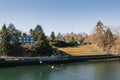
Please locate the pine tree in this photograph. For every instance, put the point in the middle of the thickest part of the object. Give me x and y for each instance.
(31, 32)
(14, 34)
(52, 36)
(4, 47)
(37, 31)
(16, 45)
(42, 46)
(12, 30)
(59, 37)
(99, 23)
(24, 34)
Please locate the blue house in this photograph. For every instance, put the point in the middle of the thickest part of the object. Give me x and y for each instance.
(26, 39)
(23, 39)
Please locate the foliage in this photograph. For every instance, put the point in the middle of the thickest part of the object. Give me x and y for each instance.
(58, 43)
(81, 40)
(42, 46)
(59, 37)
(71, 37)
(12, 30)
(24, 34)
(98, 36)
(52, 36)
(36, 32)
(108, 39)
(102, 37)
(15, 46)
(116, 45)
(4, 47)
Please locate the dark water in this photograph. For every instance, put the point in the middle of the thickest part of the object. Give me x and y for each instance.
(74, 71)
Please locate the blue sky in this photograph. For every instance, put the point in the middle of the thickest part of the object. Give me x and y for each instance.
(60, 15)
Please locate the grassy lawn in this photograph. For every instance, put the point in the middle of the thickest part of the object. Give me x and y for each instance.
(82, 50)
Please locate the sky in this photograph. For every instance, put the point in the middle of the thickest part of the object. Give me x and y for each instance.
(60, 15)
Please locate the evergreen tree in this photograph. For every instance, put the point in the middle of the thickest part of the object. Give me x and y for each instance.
(4, 47)
(24, 34)
(15, 45)
(52, 36)
(59, 34)
(42, 46)
(59, 37)
(37, 31)
(14, 34)
(31, 32)
(12, 30)
(99, 23)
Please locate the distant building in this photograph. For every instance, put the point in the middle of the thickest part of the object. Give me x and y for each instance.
(23, 39)
(26, 39)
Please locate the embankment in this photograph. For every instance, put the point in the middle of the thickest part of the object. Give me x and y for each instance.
(21, 61)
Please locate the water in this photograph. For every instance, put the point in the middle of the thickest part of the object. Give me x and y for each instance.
(73, 71)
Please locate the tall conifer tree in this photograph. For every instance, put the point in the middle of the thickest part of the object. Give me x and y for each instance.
(4, 47)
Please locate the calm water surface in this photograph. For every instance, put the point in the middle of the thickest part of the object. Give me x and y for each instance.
(73, 71)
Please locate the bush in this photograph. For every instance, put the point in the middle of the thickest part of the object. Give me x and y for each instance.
(62, 44)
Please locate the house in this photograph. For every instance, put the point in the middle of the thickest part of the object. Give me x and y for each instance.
(26, 39)
(23, 39)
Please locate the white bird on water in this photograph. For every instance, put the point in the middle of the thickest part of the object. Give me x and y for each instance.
(52, 67)
(40, 62)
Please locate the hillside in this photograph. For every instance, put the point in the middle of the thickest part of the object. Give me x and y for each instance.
(82, 50)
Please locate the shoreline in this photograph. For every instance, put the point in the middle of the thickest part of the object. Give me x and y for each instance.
(23, 61)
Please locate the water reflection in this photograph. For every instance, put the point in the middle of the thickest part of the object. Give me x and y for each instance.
(76, 71)
(107, 71)
(25, 73)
